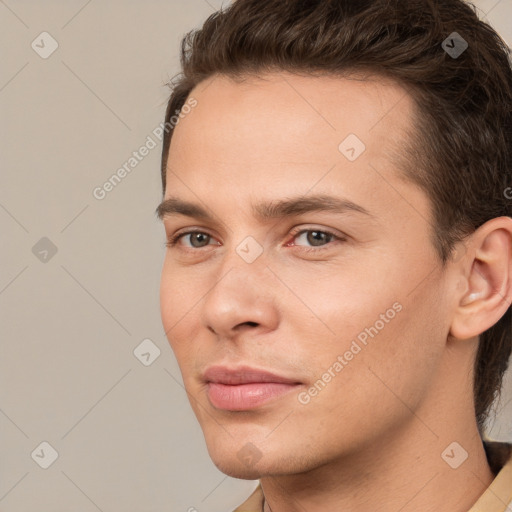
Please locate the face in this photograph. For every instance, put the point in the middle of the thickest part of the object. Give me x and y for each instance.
(310, 259)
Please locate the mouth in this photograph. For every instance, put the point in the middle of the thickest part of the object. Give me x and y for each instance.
(245, 388)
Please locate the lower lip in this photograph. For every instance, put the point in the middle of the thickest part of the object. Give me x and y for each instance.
(245, 396)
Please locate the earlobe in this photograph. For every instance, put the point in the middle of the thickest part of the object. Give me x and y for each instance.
(488, 293)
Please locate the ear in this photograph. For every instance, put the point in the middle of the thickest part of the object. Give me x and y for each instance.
(487, 272)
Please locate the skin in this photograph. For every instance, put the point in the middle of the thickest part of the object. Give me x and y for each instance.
(372, 438)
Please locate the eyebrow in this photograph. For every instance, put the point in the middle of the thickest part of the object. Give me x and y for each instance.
(266, 211)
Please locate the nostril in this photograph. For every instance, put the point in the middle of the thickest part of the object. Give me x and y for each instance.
(246, 324)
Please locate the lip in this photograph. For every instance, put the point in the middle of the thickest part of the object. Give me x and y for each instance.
(243, 375)
(244, 388)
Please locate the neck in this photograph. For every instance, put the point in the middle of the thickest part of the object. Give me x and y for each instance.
(406, 468)
(406, 472)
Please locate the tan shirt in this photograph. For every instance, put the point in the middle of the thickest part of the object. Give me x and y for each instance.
(495, 499)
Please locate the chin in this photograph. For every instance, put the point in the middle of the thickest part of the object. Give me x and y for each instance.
(235, 469)
(247, 462)
(244, 461)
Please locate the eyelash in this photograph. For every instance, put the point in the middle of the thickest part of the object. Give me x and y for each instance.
(173, 241)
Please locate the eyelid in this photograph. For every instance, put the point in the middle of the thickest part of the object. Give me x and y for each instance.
(294, 233)
(337, 237)
(173, 240)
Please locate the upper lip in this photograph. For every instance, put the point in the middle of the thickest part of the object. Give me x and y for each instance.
(243, 375)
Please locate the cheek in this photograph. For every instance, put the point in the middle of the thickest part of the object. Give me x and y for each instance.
(178, 305)
(168, 302)
(401, 360)
(378, 386)
(178, 294)
(388, 338)
(340, 303)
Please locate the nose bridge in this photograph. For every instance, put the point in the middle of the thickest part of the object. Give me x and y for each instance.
(243, 267)
(242, 292)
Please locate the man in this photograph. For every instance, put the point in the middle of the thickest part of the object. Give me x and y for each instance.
(338, 278)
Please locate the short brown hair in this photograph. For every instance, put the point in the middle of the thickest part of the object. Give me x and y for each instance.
(461, 153)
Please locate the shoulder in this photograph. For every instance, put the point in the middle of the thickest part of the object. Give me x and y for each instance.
(498, 454)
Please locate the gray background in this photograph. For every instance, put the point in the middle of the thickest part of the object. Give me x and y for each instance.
(126, 437)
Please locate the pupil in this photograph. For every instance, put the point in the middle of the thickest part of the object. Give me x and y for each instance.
(316, 237)
(196, 237)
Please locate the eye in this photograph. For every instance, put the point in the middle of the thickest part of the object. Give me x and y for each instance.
(315, 238)
(196, 239)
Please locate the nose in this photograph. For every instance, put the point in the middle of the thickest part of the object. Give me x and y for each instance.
(242, 299)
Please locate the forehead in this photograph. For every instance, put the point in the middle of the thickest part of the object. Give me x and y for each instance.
(350, 101)
(285, 133)
(283, 114)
